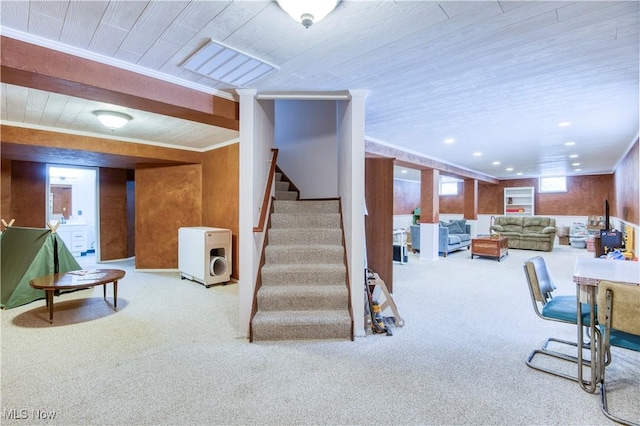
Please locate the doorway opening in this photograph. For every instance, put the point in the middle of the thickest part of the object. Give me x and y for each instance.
(73, 203)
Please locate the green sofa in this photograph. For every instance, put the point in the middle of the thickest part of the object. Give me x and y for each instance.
(527, 232)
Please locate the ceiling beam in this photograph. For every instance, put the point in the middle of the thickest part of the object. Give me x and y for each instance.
(29, 65)
(419, 162)
(25, 144)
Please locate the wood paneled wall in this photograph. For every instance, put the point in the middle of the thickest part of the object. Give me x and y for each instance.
(221, 194)
(131, 213)
(627, 187)
(490, 199)
(114, 233)
(406, 196)
(28, 194)
(141, 211)
(5, 189)
(167, 198)
(379, 219)
(585, 195)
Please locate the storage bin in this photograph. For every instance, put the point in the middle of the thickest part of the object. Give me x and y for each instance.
(564, 241)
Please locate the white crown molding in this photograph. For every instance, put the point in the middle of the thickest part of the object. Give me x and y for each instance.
(54, 45)
(220, 145)
(307, 96)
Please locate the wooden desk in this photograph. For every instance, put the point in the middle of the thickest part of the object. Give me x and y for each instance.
(587, 274)
(496, 247)
(77, 280)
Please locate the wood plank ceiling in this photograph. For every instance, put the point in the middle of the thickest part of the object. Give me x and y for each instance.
(496, 76)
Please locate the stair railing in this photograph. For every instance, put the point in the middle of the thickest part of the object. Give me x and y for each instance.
(262, 225)
(266, 201)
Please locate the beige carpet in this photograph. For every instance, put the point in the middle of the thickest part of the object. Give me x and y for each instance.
(171, 355)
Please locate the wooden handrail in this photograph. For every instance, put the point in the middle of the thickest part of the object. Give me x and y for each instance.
(267, 192)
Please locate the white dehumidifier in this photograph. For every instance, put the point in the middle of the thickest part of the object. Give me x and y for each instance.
(204, 254)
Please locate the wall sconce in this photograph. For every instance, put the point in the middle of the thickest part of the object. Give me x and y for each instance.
(307, 12)
(112, 119)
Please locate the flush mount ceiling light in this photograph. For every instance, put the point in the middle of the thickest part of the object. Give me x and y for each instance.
(222, 63)
(307, 12)
(112, 119)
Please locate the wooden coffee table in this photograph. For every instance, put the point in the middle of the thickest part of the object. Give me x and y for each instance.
(496, 247)
(78, 279)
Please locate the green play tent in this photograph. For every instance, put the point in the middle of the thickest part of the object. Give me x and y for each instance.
(25, 254)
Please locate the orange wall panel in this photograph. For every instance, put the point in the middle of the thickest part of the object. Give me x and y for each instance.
(406, 196)
(221, 194)
(28, 189)
(626, 181)
(113, 214)
(490, 199)
(379, 220)
(5, 188)
(584, 197)
(167, 198)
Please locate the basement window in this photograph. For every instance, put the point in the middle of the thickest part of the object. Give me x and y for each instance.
(553, 184)
(448, 187)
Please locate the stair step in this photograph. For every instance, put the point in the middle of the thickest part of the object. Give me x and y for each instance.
(301, 325)
(289, 254)
(282, 186)
(300, 236)
(303, 293)
(306, 206)
(303, 297)
(301, 220)
(286, 195)
(304, 274)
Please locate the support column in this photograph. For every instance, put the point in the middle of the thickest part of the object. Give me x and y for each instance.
(471, 199)
(471, 202)
(248, 245)
(429, 213)
(378, 223)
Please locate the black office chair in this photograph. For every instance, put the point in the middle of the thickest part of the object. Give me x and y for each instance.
(619, 322)
(559, 308)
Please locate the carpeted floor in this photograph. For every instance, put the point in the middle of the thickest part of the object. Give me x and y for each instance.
(171, 355)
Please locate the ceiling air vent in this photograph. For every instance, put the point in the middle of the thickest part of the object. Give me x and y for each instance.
(219, 62)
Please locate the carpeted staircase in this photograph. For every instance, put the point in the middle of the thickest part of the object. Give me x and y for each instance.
(304, 291)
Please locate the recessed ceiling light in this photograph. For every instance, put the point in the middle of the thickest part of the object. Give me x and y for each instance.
(496, 163)
(477, 154)
(573, 156)
(519, 173)
(403, 171)
(575, 164)
(450, 140)
(509, 169)
(570, 143)
(577, 170)
(564, 124)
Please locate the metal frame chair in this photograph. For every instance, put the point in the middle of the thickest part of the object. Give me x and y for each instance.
(559, 308)
(619, 322)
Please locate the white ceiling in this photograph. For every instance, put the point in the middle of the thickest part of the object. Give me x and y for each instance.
(497, 76)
